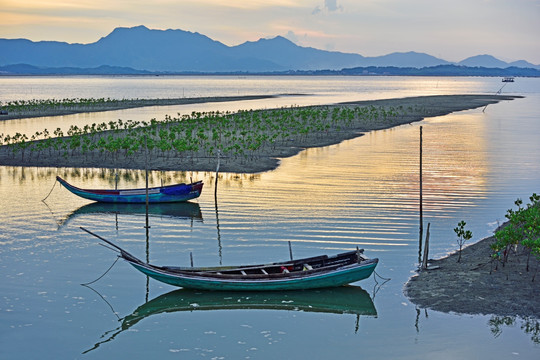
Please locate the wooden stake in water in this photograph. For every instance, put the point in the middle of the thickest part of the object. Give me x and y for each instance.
(426, 249)
(421, 230)
(217, 174)
(146, 173)
(290, 250)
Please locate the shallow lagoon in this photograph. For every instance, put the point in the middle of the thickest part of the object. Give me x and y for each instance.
(361, 192)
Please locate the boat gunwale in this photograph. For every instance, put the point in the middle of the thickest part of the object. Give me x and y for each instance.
(203, 275)
(117, 192)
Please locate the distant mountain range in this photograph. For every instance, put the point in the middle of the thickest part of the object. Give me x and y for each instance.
(139, 50)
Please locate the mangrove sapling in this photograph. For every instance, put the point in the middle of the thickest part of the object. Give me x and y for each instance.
(463, 235)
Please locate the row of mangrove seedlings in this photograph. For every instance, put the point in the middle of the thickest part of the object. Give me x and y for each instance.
(238, 134)
(44, 105)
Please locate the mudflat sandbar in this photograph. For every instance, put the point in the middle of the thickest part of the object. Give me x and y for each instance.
(267, 157)
(479, 283)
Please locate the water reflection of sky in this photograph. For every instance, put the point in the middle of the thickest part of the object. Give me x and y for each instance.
(316, 90)
(363, 191)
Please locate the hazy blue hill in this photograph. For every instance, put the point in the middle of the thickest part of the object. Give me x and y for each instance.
(524, 64)
(138, 48)
(157, 50)
(405, 59)
(183, 51)
(484, 61)
(43, 53)
(291, 56)
(25, 69)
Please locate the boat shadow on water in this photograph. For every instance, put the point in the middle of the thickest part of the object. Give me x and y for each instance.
(181, 210)
(341, 300)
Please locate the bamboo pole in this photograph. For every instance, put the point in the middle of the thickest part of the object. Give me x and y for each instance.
(421, 229)
(146, 176)
(290, 250)
(217, 175)
(216, 206)
(426, 249)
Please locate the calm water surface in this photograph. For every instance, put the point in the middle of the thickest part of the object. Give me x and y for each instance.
(361, 192)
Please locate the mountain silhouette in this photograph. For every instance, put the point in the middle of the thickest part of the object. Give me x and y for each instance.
(170, 50)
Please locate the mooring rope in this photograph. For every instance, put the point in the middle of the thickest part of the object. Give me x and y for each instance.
(58, 223)
(378, 286)
(375, 273)
(101, 296)
(105, 273)
(50, 191)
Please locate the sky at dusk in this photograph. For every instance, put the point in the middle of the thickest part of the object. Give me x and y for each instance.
(452, 30)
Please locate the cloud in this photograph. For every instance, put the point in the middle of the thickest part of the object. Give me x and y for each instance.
(291, 36)
(331, 5)
(328, 7)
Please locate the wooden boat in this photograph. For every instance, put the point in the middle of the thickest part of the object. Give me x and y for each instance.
(299, 274)
(161, 194)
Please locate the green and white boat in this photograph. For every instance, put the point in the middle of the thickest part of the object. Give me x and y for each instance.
(309, 273)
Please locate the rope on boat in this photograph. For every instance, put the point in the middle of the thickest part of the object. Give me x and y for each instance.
(50, 191)
(105, 273)
(110, 248)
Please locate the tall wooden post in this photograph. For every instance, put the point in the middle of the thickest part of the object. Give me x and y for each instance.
(216, 205)
(426, 249)
(421, 229)
(217, 175)
(146, 175)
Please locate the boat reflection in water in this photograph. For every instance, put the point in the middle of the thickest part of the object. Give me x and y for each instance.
(181, 210)
(341, 300)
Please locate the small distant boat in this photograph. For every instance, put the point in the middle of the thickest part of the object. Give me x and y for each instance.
(161, 194)
(508, 79)
(300, 274)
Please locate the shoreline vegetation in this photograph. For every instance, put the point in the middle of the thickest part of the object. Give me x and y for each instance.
(479, 283)
(52, 107)
(497, 275)
(253, 141)
(246, 141)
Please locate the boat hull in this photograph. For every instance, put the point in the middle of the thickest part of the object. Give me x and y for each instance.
(164, 194)
(338, 277)
(315, 272)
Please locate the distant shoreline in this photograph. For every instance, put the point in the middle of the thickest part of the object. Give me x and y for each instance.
(267, 158)
(441, 70)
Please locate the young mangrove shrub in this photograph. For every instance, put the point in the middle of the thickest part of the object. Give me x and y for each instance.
(463, 235)
(523, 229)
